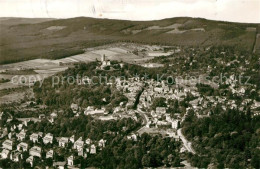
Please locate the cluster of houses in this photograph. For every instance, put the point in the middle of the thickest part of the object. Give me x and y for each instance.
(130, 88)
(43, 146)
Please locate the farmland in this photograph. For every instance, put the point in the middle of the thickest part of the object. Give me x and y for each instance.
(39, 69)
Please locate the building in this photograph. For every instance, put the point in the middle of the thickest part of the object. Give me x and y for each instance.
(78, 144)
(4, 154)
(160, 110)
(93, 149)
(49, 154)
(8, 144)
(15, 156)
(59, 164)
(74, 107)
(103, 58)
(22, 146)
(34, 137)
(70, 160)
(88, 141)
(101, 143)
(48, 138)
(35, 151)
(63, 141)
(175, 124)
(97, 112)
(30, 160)
(72, 139)
(105, 62)
(53, 116)
(21, 135)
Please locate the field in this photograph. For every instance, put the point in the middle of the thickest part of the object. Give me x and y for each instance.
(26, 39)
(24, 73)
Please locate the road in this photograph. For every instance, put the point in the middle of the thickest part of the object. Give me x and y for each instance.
(145, 118)
(186, 143)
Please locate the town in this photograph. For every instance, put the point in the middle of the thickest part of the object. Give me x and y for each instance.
(161, 107)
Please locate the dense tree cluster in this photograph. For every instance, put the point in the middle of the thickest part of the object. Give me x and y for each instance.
(227, 139)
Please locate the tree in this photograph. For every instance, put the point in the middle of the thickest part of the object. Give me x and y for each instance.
(146, 160)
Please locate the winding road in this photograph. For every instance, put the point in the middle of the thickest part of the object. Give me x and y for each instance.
(186, 143)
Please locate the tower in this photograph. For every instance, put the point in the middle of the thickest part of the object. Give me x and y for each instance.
(103, 58)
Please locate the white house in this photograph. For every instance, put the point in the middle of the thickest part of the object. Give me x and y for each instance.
(74, 107)
(70, 160)
(78, 144)
(35, 151)
(48, 138)
(88, 141)
(4, 154)
(93, 149)
(15, 156)
(21, 135)
(53, 116)
(101, 143)
(72, 139)
(63, 141)
(30, 160)
(22, 146)
(49, 154)
(160, 110)
(175, 124)
(8, 144)
(34, 137)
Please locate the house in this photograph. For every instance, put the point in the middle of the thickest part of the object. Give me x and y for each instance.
(48, 138)
(15, 156)
(63, 141)
(88, 141)
(1, 114)
(160, 110)
(4, 154)
(98, 112)
(49, 154)
(175, 124)
(8, 144)
(59, 164)
(10, 135)
(35, 151)
(22, 146)
(70, 160)
(74, 107)
(41, 116)
(93, 149)
(132, 137)
(72, 139)
(20, 126)
(21, 135)
(78, 144)
(34, 137)
(101, 143)
(53, 116)
(3, 132)
(30, 160)
(81, 153)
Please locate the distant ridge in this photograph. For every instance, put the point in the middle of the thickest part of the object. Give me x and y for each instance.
(27, 38)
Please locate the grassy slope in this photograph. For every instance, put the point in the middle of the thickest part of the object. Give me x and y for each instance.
(30, 39)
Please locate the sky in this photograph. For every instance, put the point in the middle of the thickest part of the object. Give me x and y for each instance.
(225, 10)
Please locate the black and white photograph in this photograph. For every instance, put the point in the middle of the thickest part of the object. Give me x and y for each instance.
(129, 84)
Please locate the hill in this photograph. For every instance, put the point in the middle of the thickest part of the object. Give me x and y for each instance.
(23, 39)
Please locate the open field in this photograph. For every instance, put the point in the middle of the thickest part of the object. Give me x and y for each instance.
(15, 95)
(38, 69)
(25, 39)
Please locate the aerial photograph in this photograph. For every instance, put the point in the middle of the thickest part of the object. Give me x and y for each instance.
(129, 84)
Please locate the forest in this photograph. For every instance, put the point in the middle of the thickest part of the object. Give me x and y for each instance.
(227, 139)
